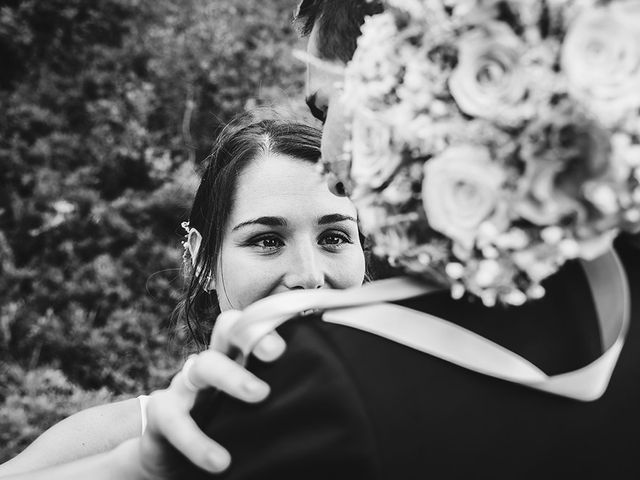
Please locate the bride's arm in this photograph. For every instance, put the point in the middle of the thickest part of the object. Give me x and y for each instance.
(169, 422)
(94, 430)
(112, 465)
(100, 429)
(128, 461)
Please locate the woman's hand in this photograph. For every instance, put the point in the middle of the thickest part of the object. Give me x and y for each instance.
(168, 418)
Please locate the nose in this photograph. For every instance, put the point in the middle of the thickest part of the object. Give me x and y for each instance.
(317, 106)
(338, 187)
(306, 270)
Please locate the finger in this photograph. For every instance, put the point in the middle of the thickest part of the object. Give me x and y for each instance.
(214, 369)
(220, 333)
(183, 385)
(181, 431)
(270, 347)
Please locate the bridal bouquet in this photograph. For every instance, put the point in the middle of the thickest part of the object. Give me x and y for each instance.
(494, 140)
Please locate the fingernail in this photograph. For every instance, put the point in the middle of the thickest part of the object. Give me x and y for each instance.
(219, 460)
(255, 389)
(270, 347)
(272, 343)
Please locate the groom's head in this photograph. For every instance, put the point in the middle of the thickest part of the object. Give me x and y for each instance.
(337, 24)
(332, 28)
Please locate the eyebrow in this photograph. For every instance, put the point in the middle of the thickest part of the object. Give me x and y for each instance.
(282, 222)
(268, 221)
(334, 218)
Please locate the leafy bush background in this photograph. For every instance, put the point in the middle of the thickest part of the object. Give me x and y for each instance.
(108, 108)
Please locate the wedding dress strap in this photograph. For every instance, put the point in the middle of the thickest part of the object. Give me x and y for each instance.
(364, 308)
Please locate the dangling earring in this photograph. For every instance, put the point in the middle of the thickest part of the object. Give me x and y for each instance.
(207, 287)
(185, 243)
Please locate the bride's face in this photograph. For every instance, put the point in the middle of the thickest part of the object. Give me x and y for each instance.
(286, 231)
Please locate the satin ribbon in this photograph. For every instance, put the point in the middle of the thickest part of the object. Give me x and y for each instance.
(364, 308)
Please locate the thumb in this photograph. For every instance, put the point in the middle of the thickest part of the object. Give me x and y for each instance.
(221, 329)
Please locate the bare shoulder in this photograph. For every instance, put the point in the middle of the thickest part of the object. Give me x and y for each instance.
(94, 430)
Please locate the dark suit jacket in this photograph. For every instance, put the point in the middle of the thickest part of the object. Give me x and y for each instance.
(350, 405)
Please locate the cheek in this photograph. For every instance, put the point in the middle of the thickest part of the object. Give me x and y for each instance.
(240, 291)
(243, 279)
(348, 271)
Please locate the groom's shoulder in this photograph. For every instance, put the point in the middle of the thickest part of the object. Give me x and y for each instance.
(312, 425)
(628, 249)
(558, 332)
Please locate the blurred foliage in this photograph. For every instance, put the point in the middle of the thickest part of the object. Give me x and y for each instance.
(108, 109)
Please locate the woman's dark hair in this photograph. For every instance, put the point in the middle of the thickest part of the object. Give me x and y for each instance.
(239, 143)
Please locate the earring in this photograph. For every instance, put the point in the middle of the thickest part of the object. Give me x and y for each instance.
(185, 243)
(207, 287)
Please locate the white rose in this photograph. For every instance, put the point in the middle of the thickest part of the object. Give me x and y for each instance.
(487, 82)
(561, 151)
(460, 190)
(373, 158)
(601, 60)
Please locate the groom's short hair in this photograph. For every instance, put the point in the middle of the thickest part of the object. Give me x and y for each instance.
(338, 22)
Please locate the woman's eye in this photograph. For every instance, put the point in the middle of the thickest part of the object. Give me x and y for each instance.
(268, 243)
(334, 239)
